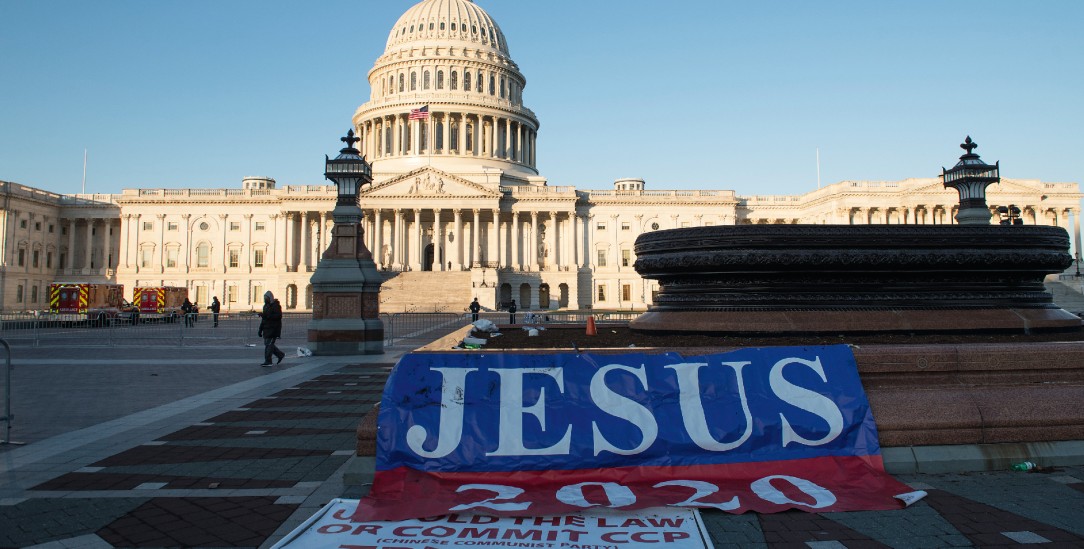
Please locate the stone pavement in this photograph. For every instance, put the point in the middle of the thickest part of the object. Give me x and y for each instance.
(209, 450)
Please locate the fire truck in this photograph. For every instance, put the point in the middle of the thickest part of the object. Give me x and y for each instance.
(96, 304)
(160, 302)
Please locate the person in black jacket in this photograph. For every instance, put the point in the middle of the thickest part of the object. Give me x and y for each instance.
(512, 312)
(270, 328)
(215, 307)
(474, 308)
(186, 308)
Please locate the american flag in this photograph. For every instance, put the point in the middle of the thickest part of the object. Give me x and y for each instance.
(419, 114)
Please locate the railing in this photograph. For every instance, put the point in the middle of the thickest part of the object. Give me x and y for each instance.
(414, 329)
(8, 416)
(234, 329)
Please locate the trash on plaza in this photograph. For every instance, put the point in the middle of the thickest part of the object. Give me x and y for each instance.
(1023, 466)
(474, 341)
(484, 325)
(532, 332)
(303, 351)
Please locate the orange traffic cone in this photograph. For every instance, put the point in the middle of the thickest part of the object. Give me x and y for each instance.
(591, 326)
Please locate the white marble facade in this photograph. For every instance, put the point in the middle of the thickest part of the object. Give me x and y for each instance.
(456, 191)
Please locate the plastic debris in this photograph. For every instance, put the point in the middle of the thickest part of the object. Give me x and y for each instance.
(484, 325)
(532, 332)
(1023, 466)
(468, 341)
(303, 351)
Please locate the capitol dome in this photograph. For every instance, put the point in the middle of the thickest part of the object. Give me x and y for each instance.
(448, 21)
(446, 94)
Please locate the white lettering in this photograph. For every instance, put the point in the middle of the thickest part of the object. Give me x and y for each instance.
(822, 497)
(805, 399)
(618, 495)
(450, 429)
(510, 428)
(692, 408)
(623, 407)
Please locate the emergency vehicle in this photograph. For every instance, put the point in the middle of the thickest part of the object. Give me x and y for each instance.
(160, 302)
(97, 304)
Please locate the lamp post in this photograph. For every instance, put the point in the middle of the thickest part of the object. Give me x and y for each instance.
(970, 177)
(346, 284)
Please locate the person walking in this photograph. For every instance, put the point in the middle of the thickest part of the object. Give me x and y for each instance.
(186, 308)
(215, 307)
(512, 312)
(270, 328)
(474, 308)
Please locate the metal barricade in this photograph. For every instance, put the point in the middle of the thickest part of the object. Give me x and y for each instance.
(8, 417)
(406, 329)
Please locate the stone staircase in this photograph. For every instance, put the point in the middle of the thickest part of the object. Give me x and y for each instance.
(425, 292)
(1067, 293)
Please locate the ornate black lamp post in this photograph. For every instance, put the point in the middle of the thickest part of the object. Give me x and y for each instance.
(970, 177)
(346, 284)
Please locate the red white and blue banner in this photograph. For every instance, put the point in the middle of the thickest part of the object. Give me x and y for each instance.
(765, 430)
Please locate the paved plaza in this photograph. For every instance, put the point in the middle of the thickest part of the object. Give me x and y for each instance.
(200, 447)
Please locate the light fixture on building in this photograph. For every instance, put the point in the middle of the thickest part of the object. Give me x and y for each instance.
(970, 177)
(349, 171)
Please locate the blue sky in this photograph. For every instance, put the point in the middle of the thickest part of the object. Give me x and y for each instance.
(685, 94)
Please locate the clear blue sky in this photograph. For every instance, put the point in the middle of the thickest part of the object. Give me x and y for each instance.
(685, 94)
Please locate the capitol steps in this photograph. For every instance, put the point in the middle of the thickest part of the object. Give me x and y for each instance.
(425, 292)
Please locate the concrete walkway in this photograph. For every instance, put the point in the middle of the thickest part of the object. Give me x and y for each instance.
(210, 450)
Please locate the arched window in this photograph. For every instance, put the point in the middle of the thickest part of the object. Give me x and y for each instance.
(401, 79)
(425, 80)
(480, 82)
(413, 81)
(466, 81)
(440, 80)
(453, 136)
(442, 25)
(492, 85)
(470, 138)
(502, 86)
(203, 255)
(455, 80)
(453, 26)
(438, 135)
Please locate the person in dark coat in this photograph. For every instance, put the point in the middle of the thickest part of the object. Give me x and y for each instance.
(512, 312)
(215, 307)
(270, 328)
(474, 308)
(186, 308)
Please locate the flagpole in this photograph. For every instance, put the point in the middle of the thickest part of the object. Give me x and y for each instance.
(84, 171)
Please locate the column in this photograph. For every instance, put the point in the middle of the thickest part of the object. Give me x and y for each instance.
(87, 257)
(493, 138)
(447, 133)
(397, 130)
(531, 256)
(577, 245)
(417, 248)
(590, 257)
(396, 240)
(457, 259)
(617, 245)
(462, 149)
(551, 243)
(516, 263)
(438, 241)
(506, 143)
(290, 265)
(71, 244)
(378, 239)
(250, 254)
(276, 253)
(492, 246)
(306, 242)
(475, 246)
(106, 262)
(125, 242)
(519, 142)
(414, 137)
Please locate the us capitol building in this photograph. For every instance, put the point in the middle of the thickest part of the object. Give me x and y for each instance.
(457, 208)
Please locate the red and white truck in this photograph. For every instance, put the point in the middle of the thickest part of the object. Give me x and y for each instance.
(98, 304)
(160, 302)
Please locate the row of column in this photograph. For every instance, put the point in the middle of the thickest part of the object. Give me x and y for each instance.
(462, 134)
(400, 237)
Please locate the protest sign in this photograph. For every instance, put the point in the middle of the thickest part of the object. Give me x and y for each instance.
(598, 529)
(765, 429)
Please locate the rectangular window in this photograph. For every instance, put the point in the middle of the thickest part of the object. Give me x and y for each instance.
(626, 258)
(51, 227)
(63, 260)
(231, 294)
(22, 258)
(601, 292)
(171, 257)
(601, 258)
(626, 292)
(625, 226)
(235, 225)
(260, 225)
(203, 255)
(148, 225)
(171, 226)
(19, 294)
(48, 260)
(235, 257)
(148, 258)
(600, 226)
(33, 294)
(257, 258)
(35, 258)
(257, 293)
(37, 227)
(22, 225)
